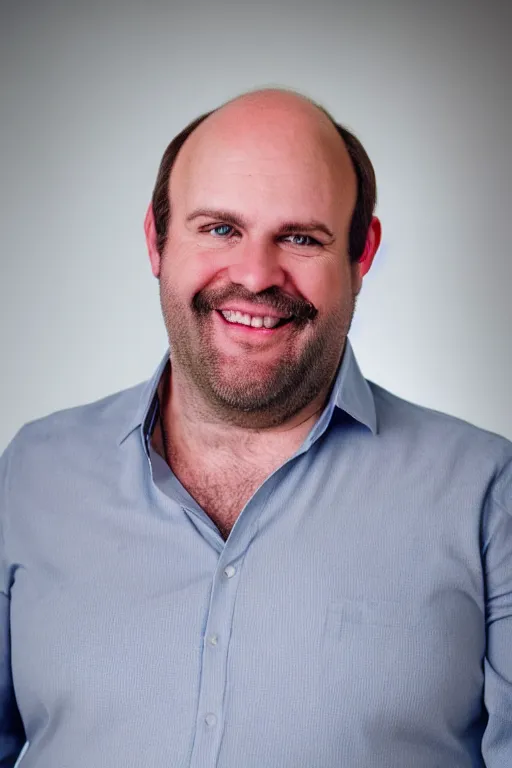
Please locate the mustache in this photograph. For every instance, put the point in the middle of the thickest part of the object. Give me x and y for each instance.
(208, 300)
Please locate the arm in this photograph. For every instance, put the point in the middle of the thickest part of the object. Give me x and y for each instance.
(497, 558)
(12, 735)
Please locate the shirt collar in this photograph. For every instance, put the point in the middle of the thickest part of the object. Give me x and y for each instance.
(351, 393)
(146, 405)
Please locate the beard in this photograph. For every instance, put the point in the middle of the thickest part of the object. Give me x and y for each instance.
(249, 393)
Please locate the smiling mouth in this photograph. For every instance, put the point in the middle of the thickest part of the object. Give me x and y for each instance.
(266, 324)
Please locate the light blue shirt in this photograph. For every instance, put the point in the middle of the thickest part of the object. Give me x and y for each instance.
(358, 615)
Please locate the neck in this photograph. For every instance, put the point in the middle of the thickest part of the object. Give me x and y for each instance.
(191, 428)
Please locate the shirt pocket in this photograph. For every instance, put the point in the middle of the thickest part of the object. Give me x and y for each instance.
(385, 616)
(391, 662)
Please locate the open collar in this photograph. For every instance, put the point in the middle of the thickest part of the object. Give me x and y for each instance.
(351, 393)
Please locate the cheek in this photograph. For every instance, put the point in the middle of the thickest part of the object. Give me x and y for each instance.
(323, 286)
(185, 271)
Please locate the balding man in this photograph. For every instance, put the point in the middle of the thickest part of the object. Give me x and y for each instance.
(258, 558)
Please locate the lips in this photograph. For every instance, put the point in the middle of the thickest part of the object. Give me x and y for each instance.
(253, 330)
(255, 311)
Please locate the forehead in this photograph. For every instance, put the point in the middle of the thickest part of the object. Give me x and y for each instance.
(264, 160)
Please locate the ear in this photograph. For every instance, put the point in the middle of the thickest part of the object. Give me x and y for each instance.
(150, 232)
(365, 261)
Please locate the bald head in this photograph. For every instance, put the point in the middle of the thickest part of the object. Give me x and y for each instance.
(271, 132)
(283, 133)
(275, 114)
(266, 150)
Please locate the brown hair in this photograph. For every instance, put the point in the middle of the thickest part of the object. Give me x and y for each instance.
(366, 185)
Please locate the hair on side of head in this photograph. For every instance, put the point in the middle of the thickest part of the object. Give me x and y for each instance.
(365, 173)
(160, 198)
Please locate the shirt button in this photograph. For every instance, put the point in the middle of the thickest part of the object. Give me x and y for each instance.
(230, 571)
(210, 719)
(213, 640)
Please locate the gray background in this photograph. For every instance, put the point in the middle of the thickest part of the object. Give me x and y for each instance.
(92, 94)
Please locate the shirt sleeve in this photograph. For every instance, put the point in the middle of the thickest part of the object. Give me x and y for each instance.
(497, 559)
(12, 734)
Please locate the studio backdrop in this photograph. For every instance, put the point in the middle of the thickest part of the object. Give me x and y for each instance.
(93, 92)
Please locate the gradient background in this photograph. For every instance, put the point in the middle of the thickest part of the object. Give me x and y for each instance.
(92, 94)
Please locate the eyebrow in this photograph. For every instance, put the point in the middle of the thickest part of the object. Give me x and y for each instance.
(312, 225)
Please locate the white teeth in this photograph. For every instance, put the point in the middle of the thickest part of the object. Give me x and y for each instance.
(245, 319)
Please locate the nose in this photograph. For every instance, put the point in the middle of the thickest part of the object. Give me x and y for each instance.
(256, 266)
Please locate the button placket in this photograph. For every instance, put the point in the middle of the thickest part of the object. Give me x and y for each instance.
(214, 663)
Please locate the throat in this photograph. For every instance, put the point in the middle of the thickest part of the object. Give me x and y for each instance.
(222, 483)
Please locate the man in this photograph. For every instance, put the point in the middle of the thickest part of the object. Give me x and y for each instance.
(258, 557)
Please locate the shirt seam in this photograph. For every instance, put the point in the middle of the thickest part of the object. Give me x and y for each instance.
(493, 496)
(4, 520)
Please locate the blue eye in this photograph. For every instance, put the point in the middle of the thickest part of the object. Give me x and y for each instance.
(225, 231)
(223, 227)
(303, 238)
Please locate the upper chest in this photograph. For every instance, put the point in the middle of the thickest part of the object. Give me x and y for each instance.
(223, 491)
(220, 483)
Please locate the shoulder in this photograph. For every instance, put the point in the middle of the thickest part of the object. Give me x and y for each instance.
(394, 412)
(439, 436)
(71, 429)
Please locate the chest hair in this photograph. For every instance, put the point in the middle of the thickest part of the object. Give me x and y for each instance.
(223, 494)
(221, 487)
